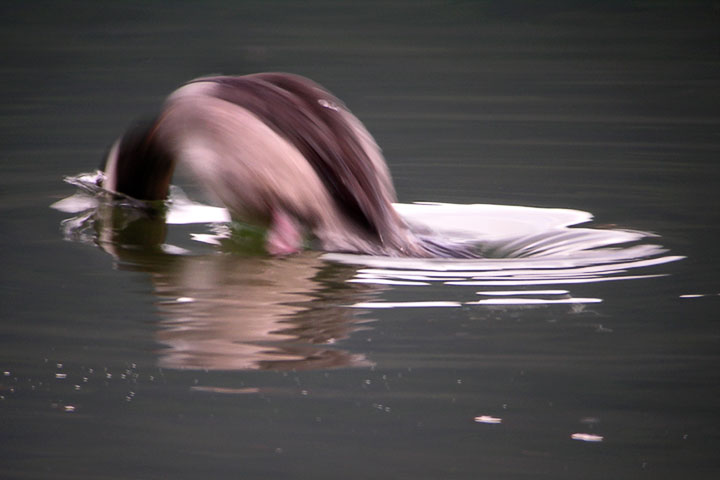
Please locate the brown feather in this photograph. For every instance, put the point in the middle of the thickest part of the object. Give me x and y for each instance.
(309, 118)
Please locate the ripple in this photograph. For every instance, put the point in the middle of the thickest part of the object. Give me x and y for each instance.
(405, 304)
(523, 247)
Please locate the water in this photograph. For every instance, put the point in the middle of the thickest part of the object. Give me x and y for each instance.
(584, 348)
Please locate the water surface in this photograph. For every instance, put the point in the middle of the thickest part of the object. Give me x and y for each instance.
(582, 138)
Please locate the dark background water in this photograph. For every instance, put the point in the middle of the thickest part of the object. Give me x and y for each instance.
(610, 107)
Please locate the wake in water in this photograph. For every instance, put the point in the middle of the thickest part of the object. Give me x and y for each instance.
(521, 246)
(528, 250)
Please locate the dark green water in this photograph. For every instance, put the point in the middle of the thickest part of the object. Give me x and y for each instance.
(611, 108)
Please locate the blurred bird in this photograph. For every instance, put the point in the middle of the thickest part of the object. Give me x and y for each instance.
(279, 151)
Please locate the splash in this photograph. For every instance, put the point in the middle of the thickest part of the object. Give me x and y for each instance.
(181, 210)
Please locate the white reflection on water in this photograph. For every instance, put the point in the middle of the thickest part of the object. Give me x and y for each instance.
(224, 311)
(405, 304)
(488, 419)
(587, 437)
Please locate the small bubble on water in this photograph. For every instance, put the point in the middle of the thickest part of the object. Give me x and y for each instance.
(61, 375)
(6, 373)
(77, 387)
(586, 437)
(489, 419)
(69, 408)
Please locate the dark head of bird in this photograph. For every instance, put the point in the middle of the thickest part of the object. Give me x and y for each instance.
(280, 151)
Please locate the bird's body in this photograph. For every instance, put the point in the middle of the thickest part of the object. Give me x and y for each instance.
(278, 150)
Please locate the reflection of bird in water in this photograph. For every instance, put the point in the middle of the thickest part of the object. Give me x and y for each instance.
(279, 151)
(237, 312)
(233, 312)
